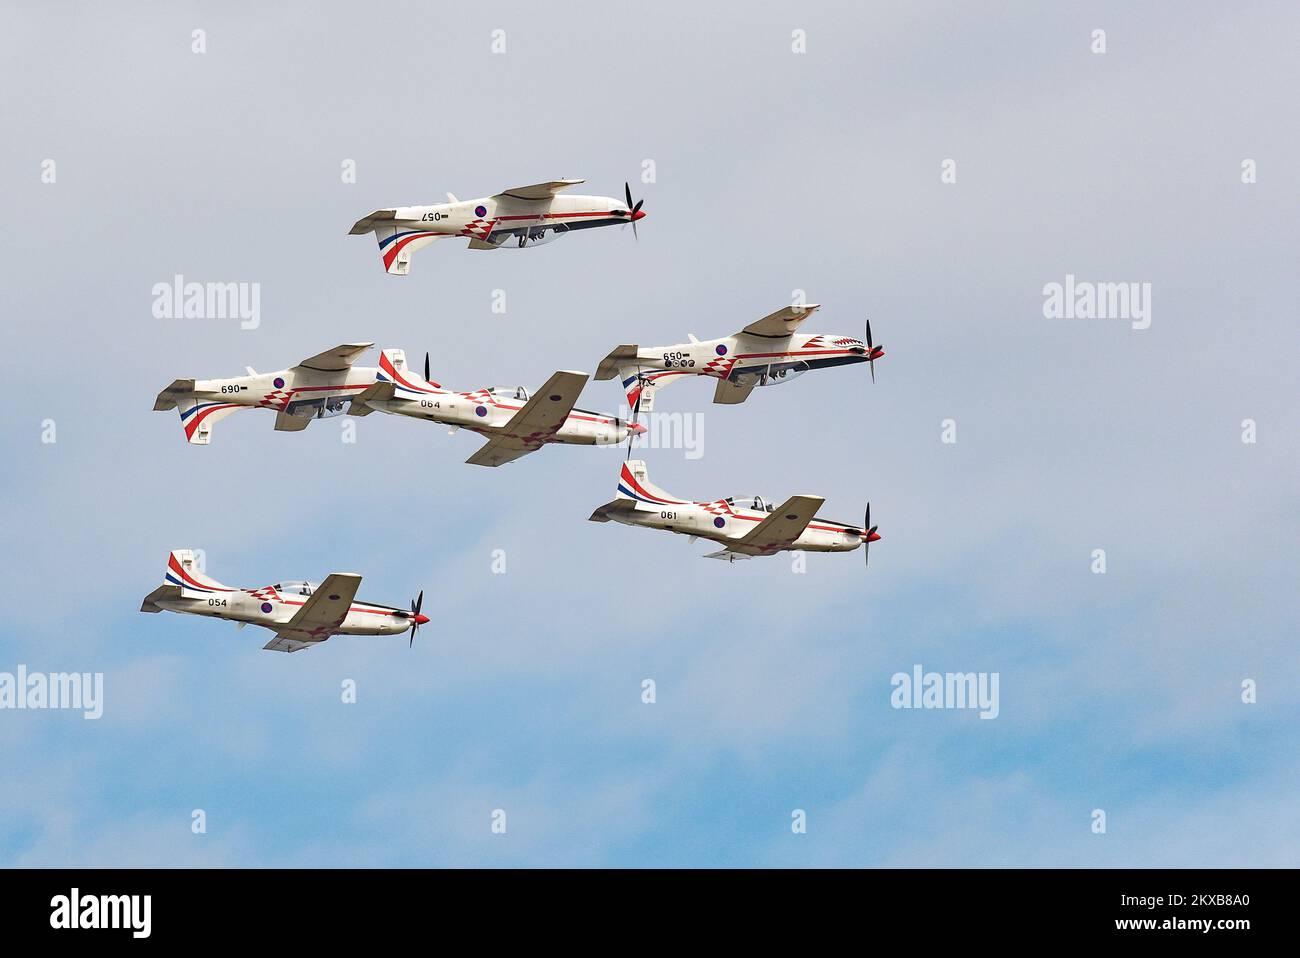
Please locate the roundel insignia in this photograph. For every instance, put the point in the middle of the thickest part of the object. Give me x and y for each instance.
(719, 522)
(481, 411)
(279, 383)
(480, 211)
(721, 350)
(266, 607)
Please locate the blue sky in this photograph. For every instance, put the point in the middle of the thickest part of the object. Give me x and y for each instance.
(775, 172)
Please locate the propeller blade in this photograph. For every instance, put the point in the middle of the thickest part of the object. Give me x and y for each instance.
(871, 348)
(426, 367)
(637, 209)
(627, 190)
(636, 412)
(635, 235)
(866, 522)
(416, 605)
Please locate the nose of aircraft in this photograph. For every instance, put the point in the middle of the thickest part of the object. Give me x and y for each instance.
(638, 215)
(421, 619)
(873, 537)
(635, 427)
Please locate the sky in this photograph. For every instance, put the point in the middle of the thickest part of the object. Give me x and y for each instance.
(767, 173)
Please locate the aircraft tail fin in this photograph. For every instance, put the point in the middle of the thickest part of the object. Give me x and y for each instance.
(185, 571)
(393, 368)
(634, 484)
(398, 243)
(199, 413)
(635, 491)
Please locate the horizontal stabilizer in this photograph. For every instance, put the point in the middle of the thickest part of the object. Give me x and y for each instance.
(379, 392)
(159, 594)
(619, 356)
(368, 223)
(609, 509)
(171, 396)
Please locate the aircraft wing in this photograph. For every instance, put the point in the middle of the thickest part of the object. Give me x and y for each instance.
(170, 397)
(538, 191)
(335, 360)
(282, 643)
(287, 422)
(322, 613)
(533, 426)
(783, 322)
(782, 526)
(731, 392)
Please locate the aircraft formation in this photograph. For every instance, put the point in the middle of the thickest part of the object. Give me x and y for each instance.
(514, 420)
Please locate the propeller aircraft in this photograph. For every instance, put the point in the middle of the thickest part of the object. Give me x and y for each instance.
(301, 614)
(764, 353)
(328, 384)
(514, 421)
(745, 526)
(518, 218)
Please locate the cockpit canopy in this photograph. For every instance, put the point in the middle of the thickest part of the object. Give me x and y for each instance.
(509, 392)
(296, 587)
(757, 503)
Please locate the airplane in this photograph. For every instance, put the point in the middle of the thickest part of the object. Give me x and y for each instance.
(764, 353)
(328, 384)
(301, 614)
(319, 386)
(746, 526)
(514, 421)
(519, 217)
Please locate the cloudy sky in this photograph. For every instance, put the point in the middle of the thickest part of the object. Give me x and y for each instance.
(773, 172)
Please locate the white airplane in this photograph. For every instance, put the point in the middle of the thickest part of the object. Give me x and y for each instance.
(301, 614)
(519, 217)
(764, 353)
(328, 385)
(746, 526)
(514, 421)
(319, 386)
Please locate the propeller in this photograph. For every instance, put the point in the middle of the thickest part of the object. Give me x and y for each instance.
(416, 618)
(871, 361)
(636, 412)
(633, 210)
(866, 523)
(426, 367)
